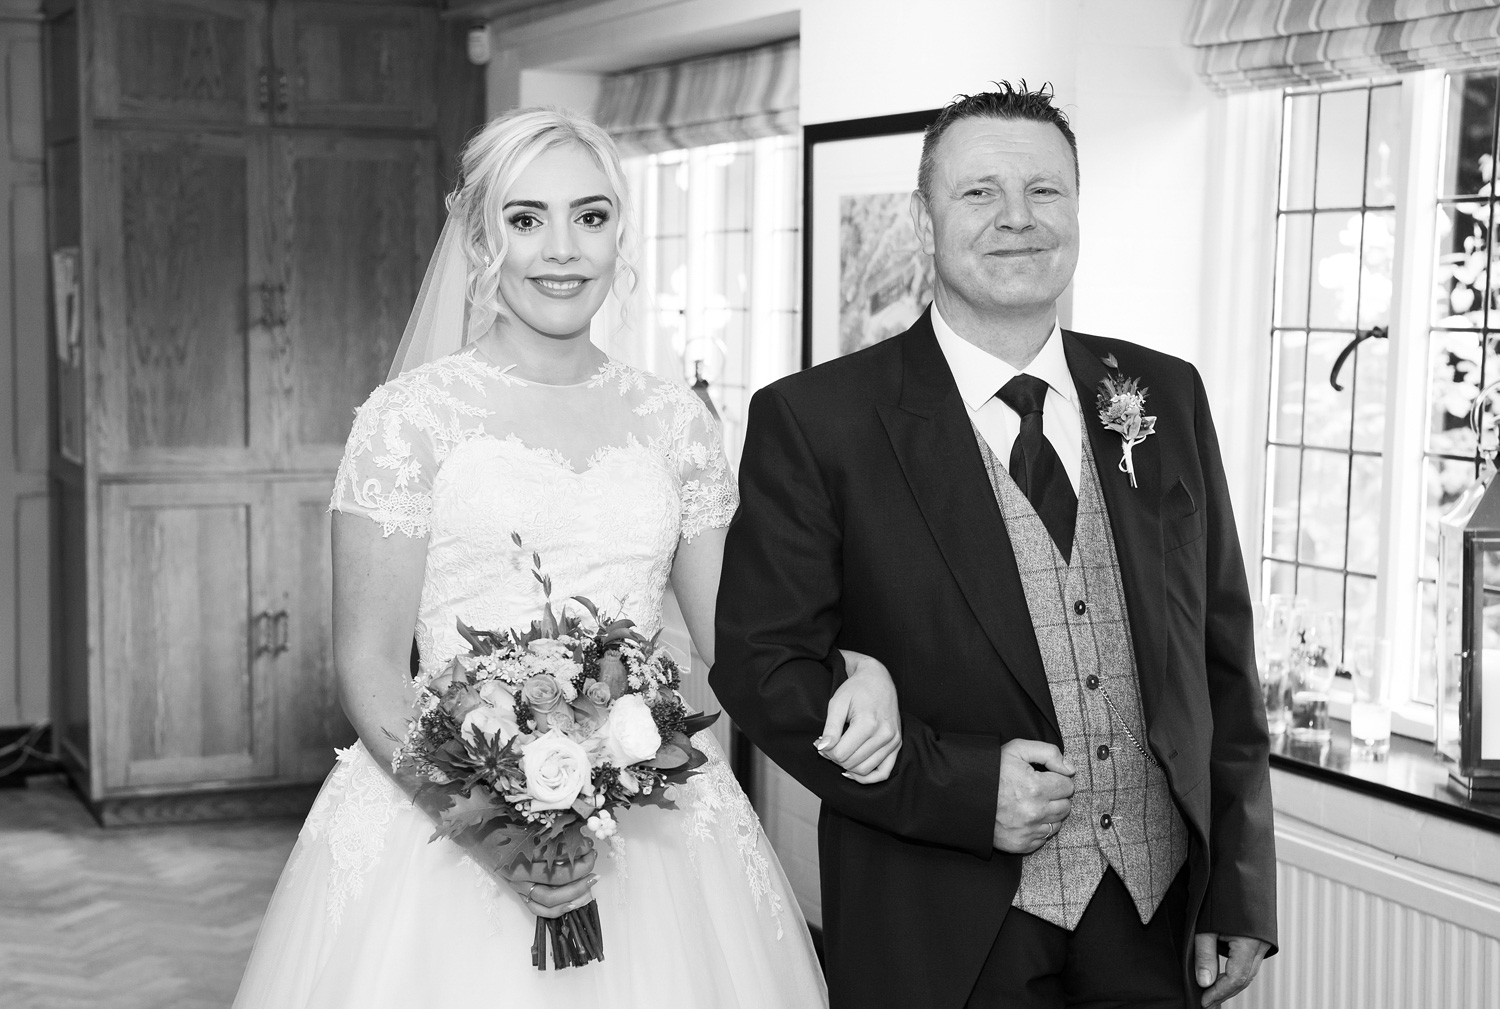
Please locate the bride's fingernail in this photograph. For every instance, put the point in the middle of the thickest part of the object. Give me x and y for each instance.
(821, 743)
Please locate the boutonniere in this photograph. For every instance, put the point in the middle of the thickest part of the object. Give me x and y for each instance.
(1122, 409)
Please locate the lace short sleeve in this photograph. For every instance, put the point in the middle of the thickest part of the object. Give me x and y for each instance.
(401, 435)
(707, 488)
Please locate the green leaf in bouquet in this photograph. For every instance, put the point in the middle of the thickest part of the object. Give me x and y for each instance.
(696, 759)
(515, 538)
(476, 642)
(697, 723)
(587, 604)
(549, 621)
(669, 757)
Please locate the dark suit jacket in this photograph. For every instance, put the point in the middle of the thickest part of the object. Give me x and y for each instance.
(867, 522)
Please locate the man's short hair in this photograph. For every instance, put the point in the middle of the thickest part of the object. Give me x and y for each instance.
(1005, 102)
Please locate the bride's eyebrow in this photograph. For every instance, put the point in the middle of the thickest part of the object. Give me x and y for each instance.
(574, 205)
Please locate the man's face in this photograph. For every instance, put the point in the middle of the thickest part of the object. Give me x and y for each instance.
(1001, 221)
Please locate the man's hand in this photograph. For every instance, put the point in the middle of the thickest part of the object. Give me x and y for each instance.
(1244, 959)
(1032, 803)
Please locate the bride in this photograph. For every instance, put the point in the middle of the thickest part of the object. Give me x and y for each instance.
(503, 418)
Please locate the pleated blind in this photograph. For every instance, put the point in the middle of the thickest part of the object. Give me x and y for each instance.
(742, 95)
(1249, 44)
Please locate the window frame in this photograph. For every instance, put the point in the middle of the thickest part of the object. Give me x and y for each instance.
(1403, 455)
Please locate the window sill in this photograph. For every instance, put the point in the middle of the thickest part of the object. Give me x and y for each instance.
(1411, 776)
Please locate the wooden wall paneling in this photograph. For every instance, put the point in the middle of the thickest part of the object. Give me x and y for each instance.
(355, 229)
(182, 60)
(187, 687)
(354, 65)
(309, 718)
(72, 693)
(25, 652)
(179, 268)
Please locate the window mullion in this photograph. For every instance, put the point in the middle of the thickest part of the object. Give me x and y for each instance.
(1407, 395)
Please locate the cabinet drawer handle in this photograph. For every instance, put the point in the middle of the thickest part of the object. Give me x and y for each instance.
(260, 634)
(280, 622)
(263, 89)
(283, 92)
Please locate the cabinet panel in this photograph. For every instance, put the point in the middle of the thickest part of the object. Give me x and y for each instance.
(181, 247)
(354, 65)
(354, 233)
(186, 697)
(310, 719)
(202, 60)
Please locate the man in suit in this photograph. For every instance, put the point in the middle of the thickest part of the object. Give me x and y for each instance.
(1080, 812)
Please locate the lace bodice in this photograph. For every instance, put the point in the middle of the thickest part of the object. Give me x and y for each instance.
(602, 479)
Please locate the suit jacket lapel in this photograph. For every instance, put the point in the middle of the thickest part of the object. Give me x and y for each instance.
(1135, 520)
(934, 443)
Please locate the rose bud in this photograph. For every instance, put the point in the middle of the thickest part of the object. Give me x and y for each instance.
(597, 692)
(542, 693)
(612, 673)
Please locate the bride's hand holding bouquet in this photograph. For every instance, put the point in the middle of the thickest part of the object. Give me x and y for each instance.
(527, 746)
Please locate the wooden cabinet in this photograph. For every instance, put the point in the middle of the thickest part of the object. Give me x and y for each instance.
(254, 191)
(188, 687)
(340, 64)
(183, 248)
(198, 60)
(355, 225)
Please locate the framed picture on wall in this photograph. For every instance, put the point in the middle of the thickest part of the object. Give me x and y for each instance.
(864, 277)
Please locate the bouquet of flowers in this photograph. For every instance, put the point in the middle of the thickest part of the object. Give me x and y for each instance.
(535, 739)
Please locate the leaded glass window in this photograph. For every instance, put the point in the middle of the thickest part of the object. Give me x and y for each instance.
(1325, 446)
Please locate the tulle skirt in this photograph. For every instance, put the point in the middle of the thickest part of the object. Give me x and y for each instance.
(695, 911)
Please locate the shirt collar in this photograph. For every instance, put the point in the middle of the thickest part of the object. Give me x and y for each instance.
(980, 374)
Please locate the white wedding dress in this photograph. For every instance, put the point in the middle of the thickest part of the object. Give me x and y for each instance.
(601, 479)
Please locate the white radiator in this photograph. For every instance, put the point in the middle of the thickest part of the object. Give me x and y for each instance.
(1361, 929)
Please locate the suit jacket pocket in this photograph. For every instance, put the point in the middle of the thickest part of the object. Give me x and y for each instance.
(1181, 519)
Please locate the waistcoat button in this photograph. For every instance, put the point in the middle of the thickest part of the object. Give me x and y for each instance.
(1103, 752)
(1080, 607)
(1092, 682)
(1106, 820)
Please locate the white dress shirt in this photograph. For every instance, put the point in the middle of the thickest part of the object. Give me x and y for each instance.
(980, 375)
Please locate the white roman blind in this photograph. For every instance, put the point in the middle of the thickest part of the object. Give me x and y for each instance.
(1249, 44)
(725, 98)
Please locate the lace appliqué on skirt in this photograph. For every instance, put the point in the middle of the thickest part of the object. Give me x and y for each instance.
(352, 815)
(714, 798)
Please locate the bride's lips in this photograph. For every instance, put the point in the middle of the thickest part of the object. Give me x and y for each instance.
(564, 286)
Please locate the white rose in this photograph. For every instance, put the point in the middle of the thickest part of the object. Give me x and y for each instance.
(557, 770)
(492, 720)
(630, 734)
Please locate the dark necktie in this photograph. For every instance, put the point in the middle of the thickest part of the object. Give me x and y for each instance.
(1035, 466)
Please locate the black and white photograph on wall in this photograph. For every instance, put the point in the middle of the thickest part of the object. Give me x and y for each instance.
(866, 278)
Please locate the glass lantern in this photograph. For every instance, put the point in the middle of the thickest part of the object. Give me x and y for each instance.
(1468, 630)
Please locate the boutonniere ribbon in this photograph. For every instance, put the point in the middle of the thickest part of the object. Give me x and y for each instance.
(1122, 409)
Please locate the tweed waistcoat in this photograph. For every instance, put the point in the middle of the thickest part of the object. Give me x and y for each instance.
(1122, 814)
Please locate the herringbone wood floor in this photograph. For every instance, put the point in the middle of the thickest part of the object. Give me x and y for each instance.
(130, 917)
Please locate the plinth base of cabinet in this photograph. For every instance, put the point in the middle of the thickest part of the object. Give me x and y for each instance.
(188, 807)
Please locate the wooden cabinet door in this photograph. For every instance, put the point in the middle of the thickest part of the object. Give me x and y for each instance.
(341, 64)
(195, 60)
(354, 232)
(310, 721)
(187, 697)
(184, 312)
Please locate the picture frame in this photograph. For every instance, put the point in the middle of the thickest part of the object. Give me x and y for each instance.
(863, 277)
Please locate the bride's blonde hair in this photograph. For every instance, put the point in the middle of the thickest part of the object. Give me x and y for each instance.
(490, 165)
